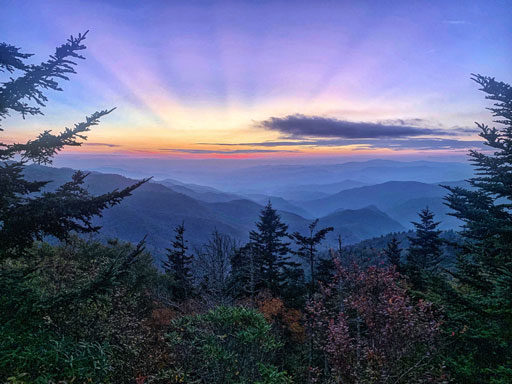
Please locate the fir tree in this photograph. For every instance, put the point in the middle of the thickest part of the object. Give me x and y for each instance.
(308, 248)
(393, 253)
(271, 250)
(27, 214)
(425, 250)
(480, 306)
(178, 263)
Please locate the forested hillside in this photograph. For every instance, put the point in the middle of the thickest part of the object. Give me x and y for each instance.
(106, 279)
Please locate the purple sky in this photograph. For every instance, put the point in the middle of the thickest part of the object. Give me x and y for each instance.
(270, 79)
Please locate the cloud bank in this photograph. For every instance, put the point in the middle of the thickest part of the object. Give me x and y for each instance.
(299, 125)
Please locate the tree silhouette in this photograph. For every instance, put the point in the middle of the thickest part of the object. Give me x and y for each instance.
(425, 251)
(178, 264)
(480, 306)
(271, 250)
(27, 213)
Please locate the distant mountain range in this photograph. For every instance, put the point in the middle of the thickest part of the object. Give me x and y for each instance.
(271, 179)
(278, 179)
(401, 200)
(154, 209)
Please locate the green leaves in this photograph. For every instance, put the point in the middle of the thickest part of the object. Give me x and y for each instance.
(226, 345)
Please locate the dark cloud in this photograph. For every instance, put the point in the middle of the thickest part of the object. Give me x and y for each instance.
(102, 145)
(302, 126)
(398, 134)
(212, 151)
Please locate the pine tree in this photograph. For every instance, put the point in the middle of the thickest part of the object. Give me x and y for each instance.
(480, 306)
(271, 250)
(425, 250)
(393, 253)
(308, 248)
(27, 214)
(178, 264)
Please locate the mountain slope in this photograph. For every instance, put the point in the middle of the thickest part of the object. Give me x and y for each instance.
(356, 221)
(384, 196)
(407, 212)
(199, 192)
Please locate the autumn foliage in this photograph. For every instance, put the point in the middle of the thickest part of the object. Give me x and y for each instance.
(366, 329)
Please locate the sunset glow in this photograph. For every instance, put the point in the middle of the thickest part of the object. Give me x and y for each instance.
(196, 80)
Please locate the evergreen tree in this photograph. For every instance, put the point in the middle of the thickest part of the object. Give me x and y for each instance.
(425, 250)
(27, 214)
(393, 253)
(178, 264)
(480, 305)
(271, 250)
(308, 248)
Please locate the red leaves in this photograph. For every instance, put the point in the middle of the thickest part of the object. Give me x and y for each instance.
(369, 328)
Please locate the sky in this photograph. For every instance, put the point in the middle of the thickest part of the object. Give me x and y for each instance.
(293, 80)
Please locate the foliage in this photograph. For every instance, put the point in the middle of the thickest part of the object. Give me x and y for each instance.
(370, 331)
(245, 273)
(225, 345)
(52, 331)
(44, 356)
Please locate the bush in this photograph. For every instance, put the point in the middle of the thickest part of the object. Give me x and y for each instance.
(75, 313)
(225, 345)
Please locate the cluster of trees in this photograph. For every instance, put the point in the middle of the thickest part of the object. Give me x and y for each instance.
(278, 309)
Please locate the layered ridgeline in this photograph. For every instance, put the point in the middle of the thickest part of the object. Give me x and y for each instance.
(400, 199)
(280, 179)
(356, 212)
(155, 208)
(398, 188)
